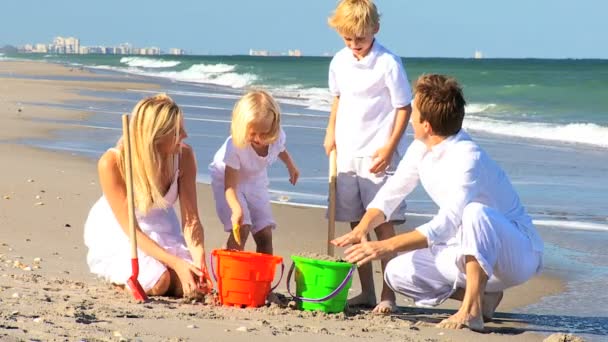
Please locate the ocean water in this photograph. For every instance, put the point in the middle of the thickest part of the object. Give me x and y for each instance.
(544, 121)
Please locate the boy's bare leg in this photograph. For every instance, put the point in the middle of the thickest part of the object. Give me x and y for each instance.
(387, 298)
(232, 244)
(470, 313)
(263, 240)
(367, 297)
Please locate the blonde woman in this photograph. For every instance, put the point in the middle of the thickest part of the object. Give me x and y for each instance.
(238, 171)
(171, 254)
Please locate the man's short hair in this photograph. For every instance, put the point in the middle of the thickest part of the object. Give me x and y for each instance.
(440, 101)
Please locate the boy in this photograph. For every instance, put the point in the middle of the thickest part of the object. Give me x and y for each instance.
(370, 112)
(481, 242)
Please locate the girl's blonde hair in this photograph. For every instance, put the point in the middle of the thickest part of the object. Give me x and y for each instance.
(254, 107)
(152, 119)
(355, 18)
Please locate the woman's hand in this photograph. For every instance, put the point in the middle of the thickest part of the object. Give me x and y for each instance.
(188, 275)
(205, 284)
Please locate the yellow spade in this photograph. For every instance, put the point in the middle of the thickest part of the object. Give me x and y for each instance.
(236, 231)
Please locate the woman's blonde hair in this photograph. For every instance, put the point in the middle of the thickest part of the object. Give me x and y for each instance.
(355, 17)
(254, 107)
(152, 119)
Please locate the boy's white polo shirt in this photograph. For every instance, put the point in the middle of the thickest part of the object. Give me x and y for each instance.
(370, 90)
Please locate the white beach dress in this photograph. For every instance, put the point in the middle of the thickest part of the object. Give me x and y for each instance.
(109, 254)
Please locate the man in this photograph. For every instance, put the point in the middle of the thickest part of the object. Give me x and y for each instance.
(481, 241)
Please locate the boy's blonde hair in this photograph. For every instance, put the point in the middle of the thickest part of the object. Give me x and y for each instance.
(355, 18)
(152, 119)
(254, 107)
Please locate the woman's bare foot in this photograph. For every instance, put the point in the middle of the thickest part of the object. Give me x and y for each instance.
(462, 321)
(490, 302)
(118, 287)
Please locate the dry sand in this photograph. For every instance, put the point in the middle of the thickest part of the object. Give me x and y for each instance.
(47, 293)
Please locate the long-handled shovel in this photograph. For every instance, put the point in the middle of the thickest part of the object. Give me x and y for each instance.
(331, 209)
(136, 289)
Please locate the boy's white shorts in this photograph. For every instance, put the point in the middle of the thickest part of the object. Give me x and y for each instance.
(356, 188)
(255, 203)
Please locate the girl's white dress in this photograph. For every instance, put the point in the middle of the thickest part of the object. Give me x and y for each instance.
(109, 254)
(252, 190)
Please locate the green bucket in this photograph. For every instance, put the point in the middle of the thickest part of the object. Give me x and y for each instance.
(320, 284)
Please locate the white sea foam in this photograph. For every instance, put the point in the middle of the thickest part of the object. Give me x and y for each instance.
(143, 62)
(312, 98)
(218, 74)
(583, 133)
(320, 100)
(209, 74)
(192, 94)
(473, 108)
(214, 68)
(577, 225)
(227, 121)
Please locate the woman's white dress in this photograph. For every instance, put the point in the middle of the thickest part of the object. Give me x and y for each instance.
(109, 254)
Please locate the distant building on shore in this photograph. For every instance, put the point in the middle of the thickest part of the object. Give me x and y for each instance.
(177, 52)
(253, 52)
(292, 53)
(71, 45)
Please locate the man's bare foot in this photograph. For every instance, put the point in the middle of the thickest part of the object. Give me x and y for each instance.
(365, 300)
(490, 302)
(385, 307)
(462, 321)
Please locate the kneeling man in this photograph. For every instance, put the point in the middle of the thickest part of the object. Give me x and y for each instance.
(481, 241)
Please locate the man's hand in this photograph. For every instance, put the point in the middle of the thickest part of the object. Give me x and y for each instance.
(353, 237)
(367, 251)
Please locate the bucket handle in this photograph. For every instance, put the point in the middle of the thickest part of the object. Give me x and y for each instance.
(319, 300)
(272, 289)
(212, 267)
(280, 278)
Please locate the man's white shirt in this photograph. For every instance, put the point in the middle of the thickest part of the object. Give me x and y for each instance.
(454, 173)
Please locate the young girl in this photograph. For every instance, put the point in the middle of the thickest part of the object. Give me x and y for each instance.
(239, 171)
(171, 253)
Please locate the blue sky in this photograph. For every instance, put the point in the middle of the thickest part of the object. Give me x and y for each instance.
(437, 28)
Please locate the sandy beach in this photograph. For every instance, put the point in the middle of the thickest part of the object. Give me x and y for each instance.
(47, 292)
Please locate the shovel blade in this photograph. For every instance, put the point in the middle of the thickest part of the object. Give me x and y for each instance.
(138, 292)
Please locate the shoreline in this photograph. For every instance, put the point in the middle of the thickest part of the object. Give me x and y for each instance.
(67, 186)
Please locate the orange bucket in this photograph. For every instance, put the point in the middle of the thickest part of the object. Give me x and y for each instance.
(244, 278)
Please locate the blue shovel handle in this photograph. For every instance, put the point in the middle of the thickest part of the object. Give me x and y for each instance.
(319, 300)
